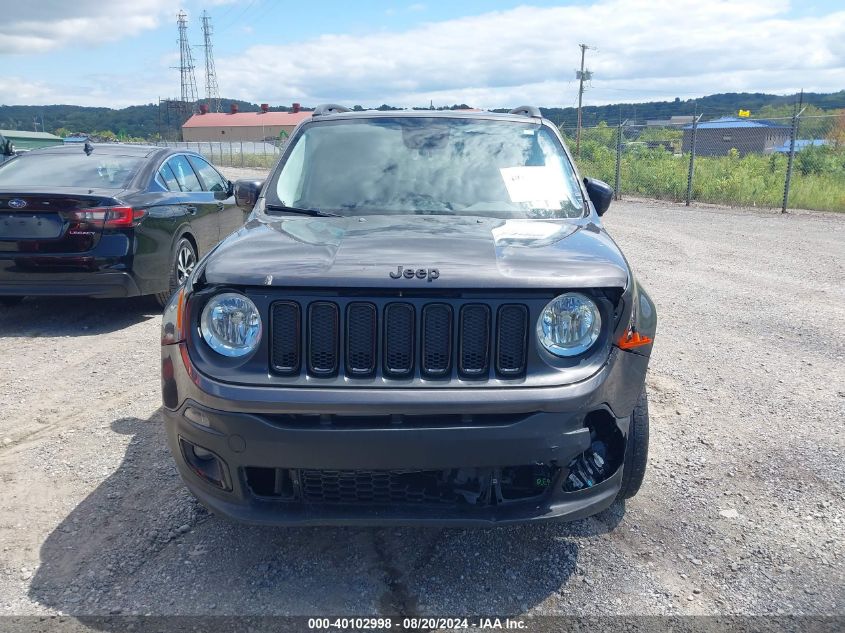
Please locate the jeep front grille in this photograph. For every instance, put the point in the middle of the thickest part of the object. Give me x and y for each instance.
(399, 340)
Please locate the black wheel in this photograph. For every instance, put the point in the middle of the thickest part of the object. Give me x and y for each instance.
(184, 260)
(636, 449)
(9, 301)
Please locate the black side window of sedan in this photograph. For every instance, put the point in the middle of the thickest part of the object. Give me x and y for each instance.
(212, 180)
(184, 173)
(166, 174)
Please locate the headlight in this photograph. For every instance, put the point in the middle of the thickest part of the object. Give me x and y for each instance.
(569, 324)
(231, 325)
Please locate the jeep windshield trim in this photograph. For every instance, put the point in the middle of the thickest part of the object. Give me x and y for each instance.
(428, 166)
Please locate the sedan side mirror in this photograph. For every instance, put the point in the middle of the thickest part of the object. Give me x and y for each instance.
(600, 193)
(246, 193)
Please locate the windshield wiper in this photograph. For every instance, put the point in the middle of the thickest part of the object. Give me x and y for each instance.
(312, 212)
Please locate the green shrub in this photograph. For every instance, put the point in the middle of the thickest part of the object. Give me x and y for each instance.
(818, 179)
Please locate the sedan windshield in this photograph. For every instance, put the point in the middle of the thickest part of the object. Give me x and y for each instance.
(420, 165)
(70, 170)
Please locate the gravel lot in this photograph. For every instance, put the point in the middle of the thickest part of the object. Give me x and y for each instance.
(741, 513)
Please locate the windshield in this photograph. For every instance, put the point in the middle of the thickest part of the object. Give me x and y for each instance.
(70, 170)
(419, 165)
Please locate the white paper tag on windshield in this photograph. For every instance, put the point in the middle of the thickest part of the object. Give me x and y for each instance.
(540, 185)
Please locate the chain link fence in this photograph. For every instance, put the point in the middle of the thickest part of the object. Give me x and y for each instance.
(796, 162)
(256, 154)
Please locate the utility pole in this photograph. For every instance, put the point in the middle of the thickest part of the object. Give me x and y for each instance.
(581, 74)
(212, 91)
(186, 67)
(797, 111)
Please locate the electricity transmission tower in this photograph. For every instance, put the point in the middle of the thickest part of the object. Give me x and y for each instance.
(581, 75)
(212, 90)
(186, 65)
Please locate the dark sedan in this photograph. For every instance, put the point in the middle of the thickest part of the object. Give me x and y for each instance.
(108, 220)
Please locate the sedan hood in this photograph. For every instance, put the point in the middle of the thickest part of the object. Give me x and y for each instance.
(442, 252)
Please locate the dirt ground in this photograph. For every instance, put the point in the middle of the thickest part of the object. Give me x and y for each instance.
(741, 512)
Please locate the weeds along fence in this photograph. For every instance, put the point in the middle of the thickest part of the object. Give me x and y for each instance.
(796, 162)
(255, 154)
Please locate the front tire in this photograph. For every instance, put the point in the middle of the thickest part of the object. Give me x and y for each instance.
(183, 262)
(636, 449)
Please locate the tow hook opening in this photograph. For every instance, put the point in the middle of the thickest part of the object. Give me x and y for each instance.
(602, 459)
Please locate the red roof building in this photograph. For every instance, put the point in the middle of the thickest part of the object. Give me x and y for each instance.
(242, 126)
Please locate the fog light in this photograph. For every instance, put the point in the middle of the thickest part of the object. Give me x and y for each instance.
(205, 464)
(203, 454)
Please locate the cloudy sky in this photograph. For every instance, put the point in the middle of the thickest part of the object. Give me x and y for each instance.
(491, 53)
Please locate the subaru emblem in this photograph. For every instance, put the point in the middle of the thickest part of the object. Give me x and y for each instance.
(17, 203)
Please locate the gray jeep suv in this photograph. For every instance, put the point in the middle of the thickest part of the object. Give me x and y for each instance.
(422, 322)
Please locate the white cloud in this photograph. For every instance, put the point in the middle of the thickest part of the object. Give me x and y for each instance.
(104, 90)
(652, 48)
(37, 27)
(646, 50)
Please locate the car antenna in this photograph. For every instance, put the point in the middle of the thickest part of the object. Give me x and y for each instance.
(88, 149)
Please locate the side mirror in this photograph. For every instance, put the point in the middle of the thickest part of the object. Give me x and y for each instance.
(246, 193)
(600, 193)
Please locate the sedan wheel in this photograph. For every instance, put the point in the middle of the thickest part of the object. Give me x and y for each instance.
(184, 261)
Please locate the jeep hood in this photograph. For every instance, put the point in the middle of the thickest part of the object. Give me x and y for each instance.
(468, 252)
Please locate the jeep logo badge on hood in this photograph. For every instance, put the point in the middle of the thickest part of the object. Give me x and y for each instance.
(420, 273)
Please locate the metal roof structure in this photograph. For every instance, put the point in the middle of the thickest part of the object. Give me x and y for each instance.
(34, 136)
(729, 122)
(801, 143)
(246, 119)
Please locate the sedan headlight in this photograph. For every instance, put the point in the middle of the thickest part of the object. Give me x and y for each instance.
(569, 324)
(231, 325)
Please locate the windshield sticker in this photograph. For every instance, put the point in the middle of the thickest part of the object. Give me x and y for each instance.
(540, 185)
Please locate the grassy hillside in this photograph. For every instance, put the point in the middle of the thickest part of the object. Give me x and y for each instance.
(141, 121)
(146, 121)
(711, 106)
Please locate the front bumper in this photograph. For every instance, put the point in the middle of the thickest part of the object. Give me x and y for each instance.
(255, 427)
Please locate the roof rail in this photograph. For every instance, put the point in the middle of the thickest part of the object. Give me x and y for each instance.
(526, 110)
(329, 108)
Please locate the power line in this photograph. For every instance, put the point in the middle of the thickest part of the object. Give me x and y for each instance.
(212, 90)
(238, 17)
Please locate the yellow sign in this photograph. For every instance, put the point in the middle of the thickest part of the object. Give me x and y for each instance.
(745, 113)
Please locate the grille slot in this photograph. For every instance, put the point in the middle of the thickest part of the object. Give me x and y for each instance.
(436, 358)
(361, 337)
(511, 340)
(286, 330)
(474, 341)
(399, 341)
(323, 335)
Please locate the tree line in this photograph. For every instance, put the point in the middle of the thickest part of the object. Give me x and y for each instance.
(152, 121)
